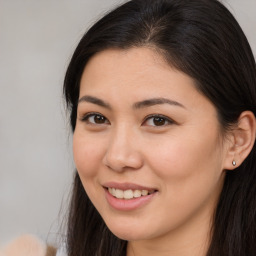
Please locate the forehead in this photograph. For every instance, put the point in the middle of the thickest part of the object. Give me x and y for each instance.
(136, 68)
(135, 60)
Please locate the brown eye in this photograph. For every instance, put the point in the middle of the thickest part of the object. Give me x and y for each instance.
(158, 120)
(98, 119)
(95, 119)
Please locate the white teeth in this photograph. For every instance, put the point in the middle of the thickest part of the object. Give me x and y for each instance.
(119, 193)
(137, 193)
(144, 192)
(113, 192)
(127, 194)
(110, 190)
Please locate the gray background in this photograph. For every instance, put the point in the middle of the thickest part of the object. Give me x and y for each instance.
(37, 39)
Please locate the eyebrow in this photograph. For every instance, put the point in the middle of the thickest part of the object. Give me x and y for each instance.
(156, 101)
(137, 105)
(94, 100)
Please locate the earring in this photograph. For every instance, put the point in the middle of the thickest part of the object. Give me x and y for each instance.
(234, 163)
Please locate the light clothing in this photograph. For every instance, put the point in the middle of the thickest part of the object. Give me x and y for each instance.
(61, 251)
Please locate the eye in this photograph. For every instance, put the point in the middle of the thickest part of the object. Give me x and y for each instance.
(95, 118)
(157, 120)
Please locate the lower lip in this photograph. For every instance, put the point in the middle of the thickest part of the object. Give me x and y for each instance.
(127, 204)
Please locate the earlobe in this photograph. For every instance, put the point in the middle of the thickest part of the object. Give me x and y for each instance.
(243, 139)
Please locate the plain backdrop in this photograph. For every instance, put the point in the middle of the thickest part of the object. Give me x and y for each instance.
(37, 39)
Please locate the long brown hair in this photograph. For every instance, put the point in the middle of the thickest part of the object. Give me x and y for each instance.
(202, 39)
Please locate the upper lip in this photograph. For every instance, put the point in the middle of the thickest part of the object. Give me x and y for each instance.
(127, 186)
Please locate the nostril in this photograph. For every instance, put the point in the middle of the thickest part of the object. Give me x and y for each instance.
(123, 161)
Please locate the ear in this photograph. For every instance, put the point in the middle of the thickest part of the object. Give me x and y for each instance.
(242, 139)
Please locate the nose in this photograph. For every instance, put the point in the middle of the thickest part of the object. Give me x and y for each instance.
(123, 151)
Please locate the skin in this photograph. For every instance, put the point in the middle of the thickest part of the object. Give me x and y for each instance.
(183, 158)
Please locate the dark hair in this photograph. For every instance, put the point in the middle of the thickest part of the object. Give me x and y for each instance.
(202, 39)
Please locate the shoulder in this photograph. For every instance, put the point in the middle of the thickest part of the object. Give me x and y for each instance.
(27, 245)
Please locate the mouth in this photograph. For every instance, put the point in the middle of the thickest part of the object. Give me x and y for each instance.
(128, 196)
(129, 193)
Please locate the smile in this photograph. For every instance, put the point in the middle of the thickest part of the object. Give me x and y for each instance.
(129, 194)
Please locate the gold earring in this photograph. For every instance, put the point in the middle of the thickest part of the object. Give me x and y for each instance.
(234, 163)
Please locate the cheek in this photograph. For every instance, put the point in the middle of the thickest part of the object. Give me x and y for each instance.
(87, 154)
(179, 159)
(190, 175)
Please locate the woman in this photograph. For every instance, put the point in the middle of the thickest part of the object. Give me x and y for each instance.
(162, 98)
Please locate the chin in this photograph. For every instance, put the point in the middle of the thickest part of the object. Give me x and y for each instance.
(128, 232)
(128, 236)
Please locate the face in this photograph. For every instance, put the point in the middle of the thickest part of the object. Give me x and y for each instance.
(147, 145)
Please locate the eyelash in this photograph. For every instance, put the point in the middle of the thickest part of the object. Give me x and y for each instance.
(167, 120)
(86, 117)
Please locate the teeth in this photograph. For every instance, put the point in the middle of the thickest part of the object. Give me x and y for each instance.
(128, 194)
(137, 193)
(119, 193)
(144, 192)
